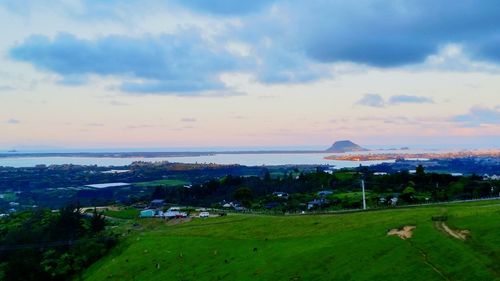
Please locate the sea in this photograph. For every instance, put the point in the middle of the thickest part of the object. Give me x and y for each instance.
(247, 159)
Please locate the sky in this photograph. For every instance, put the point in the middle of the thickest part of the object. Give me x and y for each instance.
(260, 73)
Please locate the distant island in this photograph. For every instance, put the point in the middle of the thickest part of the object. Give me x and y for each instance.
(345, 146)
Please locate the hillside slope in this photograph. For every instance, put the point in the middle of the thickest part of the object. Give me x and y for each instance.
(324, 247)
(345, 146)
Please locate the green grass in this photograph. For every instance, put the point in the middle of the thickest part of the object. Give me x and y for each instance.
(325, 247)
(129, 213)
(345, 175)
(166, 183)
(9, 196)
(355, 195)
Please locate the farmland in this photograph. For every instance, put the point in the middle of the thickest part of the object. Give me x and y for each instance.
(352, 246)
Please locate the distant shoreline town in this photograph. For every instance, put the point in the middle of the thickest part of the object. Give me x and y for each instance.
(432, 155)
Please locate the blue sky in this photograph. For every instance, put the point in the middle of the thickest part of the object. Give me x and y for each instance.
(245, 70)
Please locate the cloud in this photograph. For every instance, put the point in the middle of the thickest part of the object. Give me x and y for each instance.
(377, 33)
(117, 103)
(409, 99)
(394, 33)
(12, 121)
(94, 125)
(479, 115)
(188, 119)
(371, 100)
(376, 100)
(285, 41)
(226, 7)
(165, 64)
(6, 88)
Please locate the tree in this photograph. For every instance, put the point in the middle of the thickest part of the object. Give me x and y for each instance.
(408, 194)
(420, 172)
(244, 195)
(97, 222)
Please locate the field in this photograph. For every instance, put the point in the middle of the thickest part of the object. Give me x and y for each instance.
(129, 213)
(352, 246)
(165, 183)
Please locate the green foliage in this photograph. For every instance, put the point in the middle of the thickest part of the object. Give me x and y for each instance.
(97, 222)
(126, 213)
(408, 194)
(165, 183)
(43, 245)
(244, 195)
(322, 247)
(420, 171)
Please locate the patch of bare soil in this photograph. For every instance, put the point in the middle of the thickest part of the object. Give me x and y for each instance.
(178, 221)
(403, 233)
(456, 233)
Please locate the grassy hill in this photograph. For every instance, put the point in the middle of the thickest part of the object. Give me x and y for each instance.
(351, 246)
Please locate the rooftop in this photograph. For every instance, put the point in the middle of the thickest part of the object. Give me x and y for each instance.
(106, 185)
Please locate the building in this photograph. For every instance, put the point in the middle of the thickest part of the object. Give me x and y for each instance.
(147, 213)
(316, 203)
(108, 185)
(324, 193)
(157, 203)
(282, 195)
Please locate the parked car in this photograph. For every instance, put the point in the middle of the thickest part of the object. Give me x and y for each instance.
(204, 215)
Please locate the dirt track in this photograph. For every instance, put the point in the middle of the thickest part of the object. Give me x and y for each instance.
(403, 233)
(458, 234)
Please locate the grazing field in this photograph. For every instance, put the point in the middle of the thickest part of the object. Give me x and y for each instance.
(129, 213)
(165, 183)
(354, 246)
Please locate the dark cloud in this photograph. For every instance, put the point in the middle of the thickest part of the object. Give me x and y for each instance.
(373, 32)
(372, 100)
(181, 63)
(393, 33)
(289, 41)
(479, 115)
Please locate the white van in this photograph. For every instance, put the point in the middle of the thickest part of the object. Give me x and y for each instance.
(204, 215)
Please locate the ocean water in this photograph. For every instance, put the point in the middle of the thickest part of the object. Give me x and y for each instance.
(241, 159)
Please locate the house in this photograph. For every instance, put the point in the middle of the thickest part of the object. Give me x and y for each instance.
(157, 203)
(281, 195)
(240, 209)
(324, 193)
(174, 209)
(108, 185)
(147, 213)
(230, 204)
(380, 174)
(316, 203)
(171, 214)
(394, 201)
(493, 177)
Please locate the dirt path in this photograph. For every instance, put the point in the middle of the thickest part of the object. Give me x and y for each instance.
(458, 234)
(403, 233)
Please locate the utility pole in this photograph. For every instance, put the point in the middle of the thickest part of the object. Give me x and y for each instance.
(363, 190)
